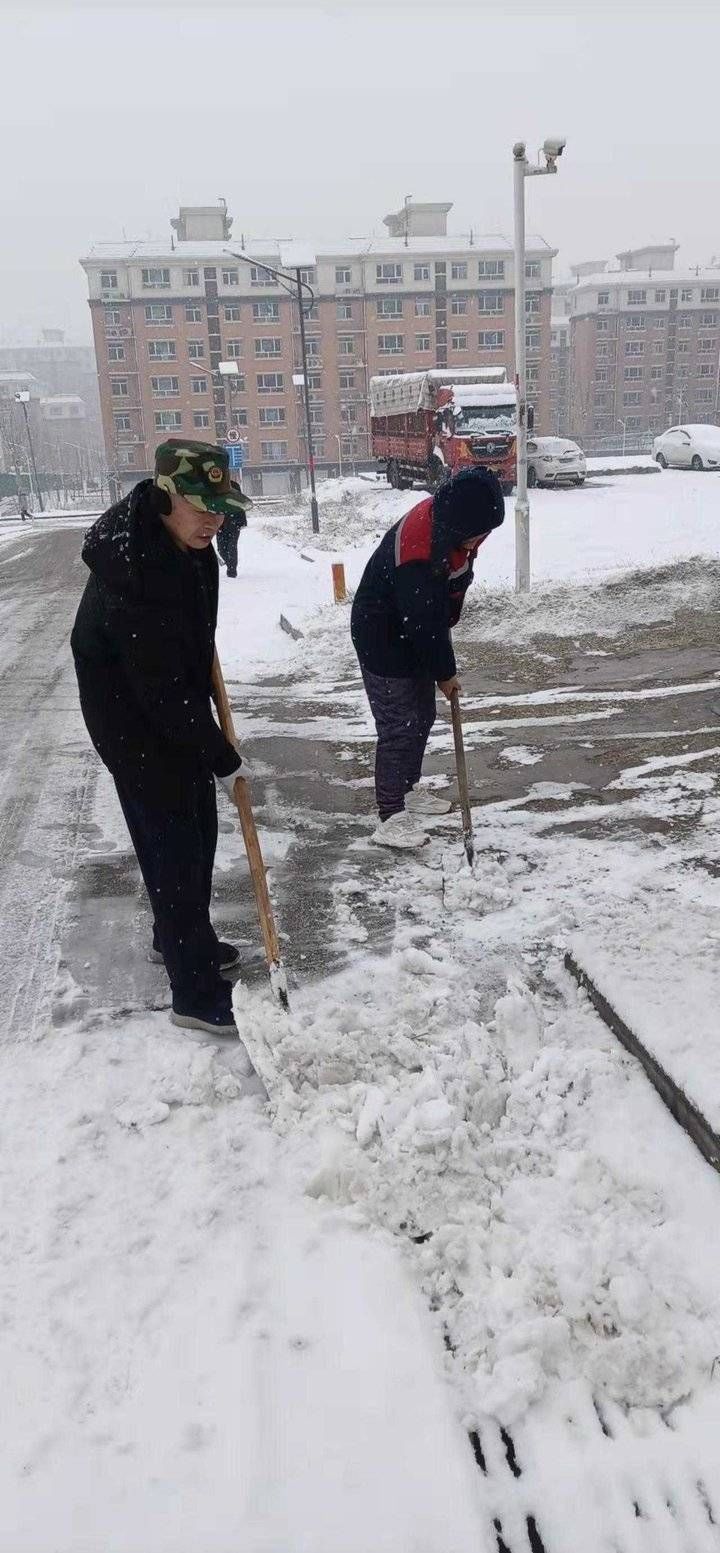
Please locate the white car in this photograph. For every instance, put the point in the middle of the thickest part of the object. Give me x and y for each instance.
(688, 447)
(555, 461)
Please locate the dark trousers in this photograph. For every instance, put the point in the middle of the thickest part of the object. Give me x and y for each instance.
(404, 712)
(227, 543)
(176, 850)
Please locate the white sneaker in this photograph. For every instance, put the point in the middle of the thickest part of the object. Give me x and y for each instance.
(421, 801)
(401, 831)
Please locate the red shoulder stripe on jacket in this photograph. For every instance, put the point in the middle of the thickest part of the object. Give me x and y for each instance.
(413, 536)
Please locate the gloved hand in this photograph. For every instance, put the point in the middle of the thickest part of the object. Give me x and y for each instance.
(228, 782)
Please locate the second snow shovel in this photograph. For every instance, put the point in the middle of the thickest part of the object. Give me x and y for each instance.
(241, 797)
(462, 779)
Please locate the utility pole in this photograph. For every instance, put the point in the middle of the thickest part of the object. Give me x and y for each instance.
(23, 398)
(522, 169)
(306, 395)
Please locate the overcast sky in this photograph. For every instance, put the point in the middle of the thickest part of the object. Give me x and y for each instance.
(315, 120)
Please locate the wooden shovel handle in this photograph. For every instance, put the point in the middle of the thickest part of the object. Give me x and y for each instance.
(241, 796)
(461, 764)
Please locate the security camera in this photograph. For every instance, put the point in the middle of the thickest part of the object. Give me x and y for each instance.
(553, 147)
(519, 150)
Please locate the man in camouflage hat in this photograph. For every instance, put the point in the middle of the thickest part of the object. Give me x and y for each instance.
(143, 644)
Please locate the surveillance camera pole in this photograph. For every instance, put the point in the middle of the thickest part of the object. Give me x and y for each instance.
(523, 169)
(22, 398)
(308, 427)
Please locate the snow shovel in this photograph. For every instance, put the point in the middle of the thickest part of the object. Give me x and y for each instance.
(241, 796)
(462, 779)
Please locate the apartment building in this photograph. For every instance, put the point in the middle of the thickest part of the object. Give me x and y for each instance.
(165, 314)
(644, 346)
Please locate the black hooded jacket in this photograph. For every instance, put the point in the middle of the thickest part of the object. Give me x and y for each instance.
(143, 644)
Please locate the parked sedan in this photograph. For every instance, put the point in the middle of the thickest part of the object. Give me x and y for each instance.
(555, 461)
(688, 447)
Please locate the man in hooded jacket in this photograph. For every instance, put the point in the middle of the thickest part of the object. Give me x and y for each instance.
(143, 644)
(410, 596)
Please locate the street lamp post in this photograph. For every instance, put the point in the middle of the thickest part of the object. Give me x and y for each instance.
(522, 169)
(23, 398)
(306, 395)
(624, 431)
(338, 439)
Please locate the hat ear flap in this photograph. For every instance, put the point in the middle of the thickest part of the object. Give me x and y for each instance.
(164, 502)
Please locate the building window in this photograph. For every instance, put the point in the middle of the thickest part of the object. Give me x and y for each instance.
(165, 387)
(116, 353)
(119, 387)
(636, 321)
(191, 277)
(422, 342)
(389, 307)
(603, 350)
(532, 339)
(705, 369)
(703, 395)
(239, 417)
(491, 302)
(233, 349)
(155, 279)
(656, 374)
(710, 294)
(602, 375)
(388, 274)
(635, 397)
(193, 314)
(198, 385)
(686, 294)
(161, 350)
(122, 422)
(634, 347)
(459, 271)
(273, 452)
(108, 280)
(314, 381)
(704, 346)
(201, 419)
(231, 312)
(111, 317)
(633, 374)
(707, 320)
(683, 347)
(347, 380)
(346, 345)
(343, 275)
(661, 296)
(343, 311)
(158, 313)
(602, 326)
(270, 383)
(317, 414)
(533, 269)
(603, 299)
(266, 311)
(267, 346)
(684, 320)
(423, 308)
(271, 416)
(259, 276)
(196, 350)
(458, 342)
(491, 340)
(312, 346)
(491, 269)
(636, 298)
(658, 348)
(458, 306)
(421, 272)
(532, 304)
(168, 420)
(391, 344)
(230, 277)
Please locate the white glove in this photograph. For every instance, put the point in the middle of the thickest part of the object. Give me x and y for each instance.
(228, 782)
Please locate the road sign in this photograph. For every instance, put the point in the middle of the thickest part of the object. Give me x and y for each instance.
(236, 455)
(233, 435)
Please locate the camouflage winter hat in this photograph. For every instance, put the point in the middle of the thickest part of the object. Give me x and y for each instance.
(200, 473)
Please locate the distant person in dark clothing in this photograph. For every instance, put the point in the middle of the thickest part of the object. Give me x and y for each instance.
(411, 595)
(143, 644)
(227, 540)
(24, 513)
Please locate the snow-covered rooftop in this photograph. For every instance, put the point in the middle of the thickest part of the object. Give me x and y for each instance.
(341, 248)
(698, 275)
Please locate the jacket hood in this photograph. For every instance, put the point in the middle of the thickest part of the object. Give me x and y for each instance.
(470, 504)
(128, 542)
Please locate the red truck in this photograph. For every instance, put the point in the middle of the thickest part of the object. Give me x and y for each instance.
(428, 425)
